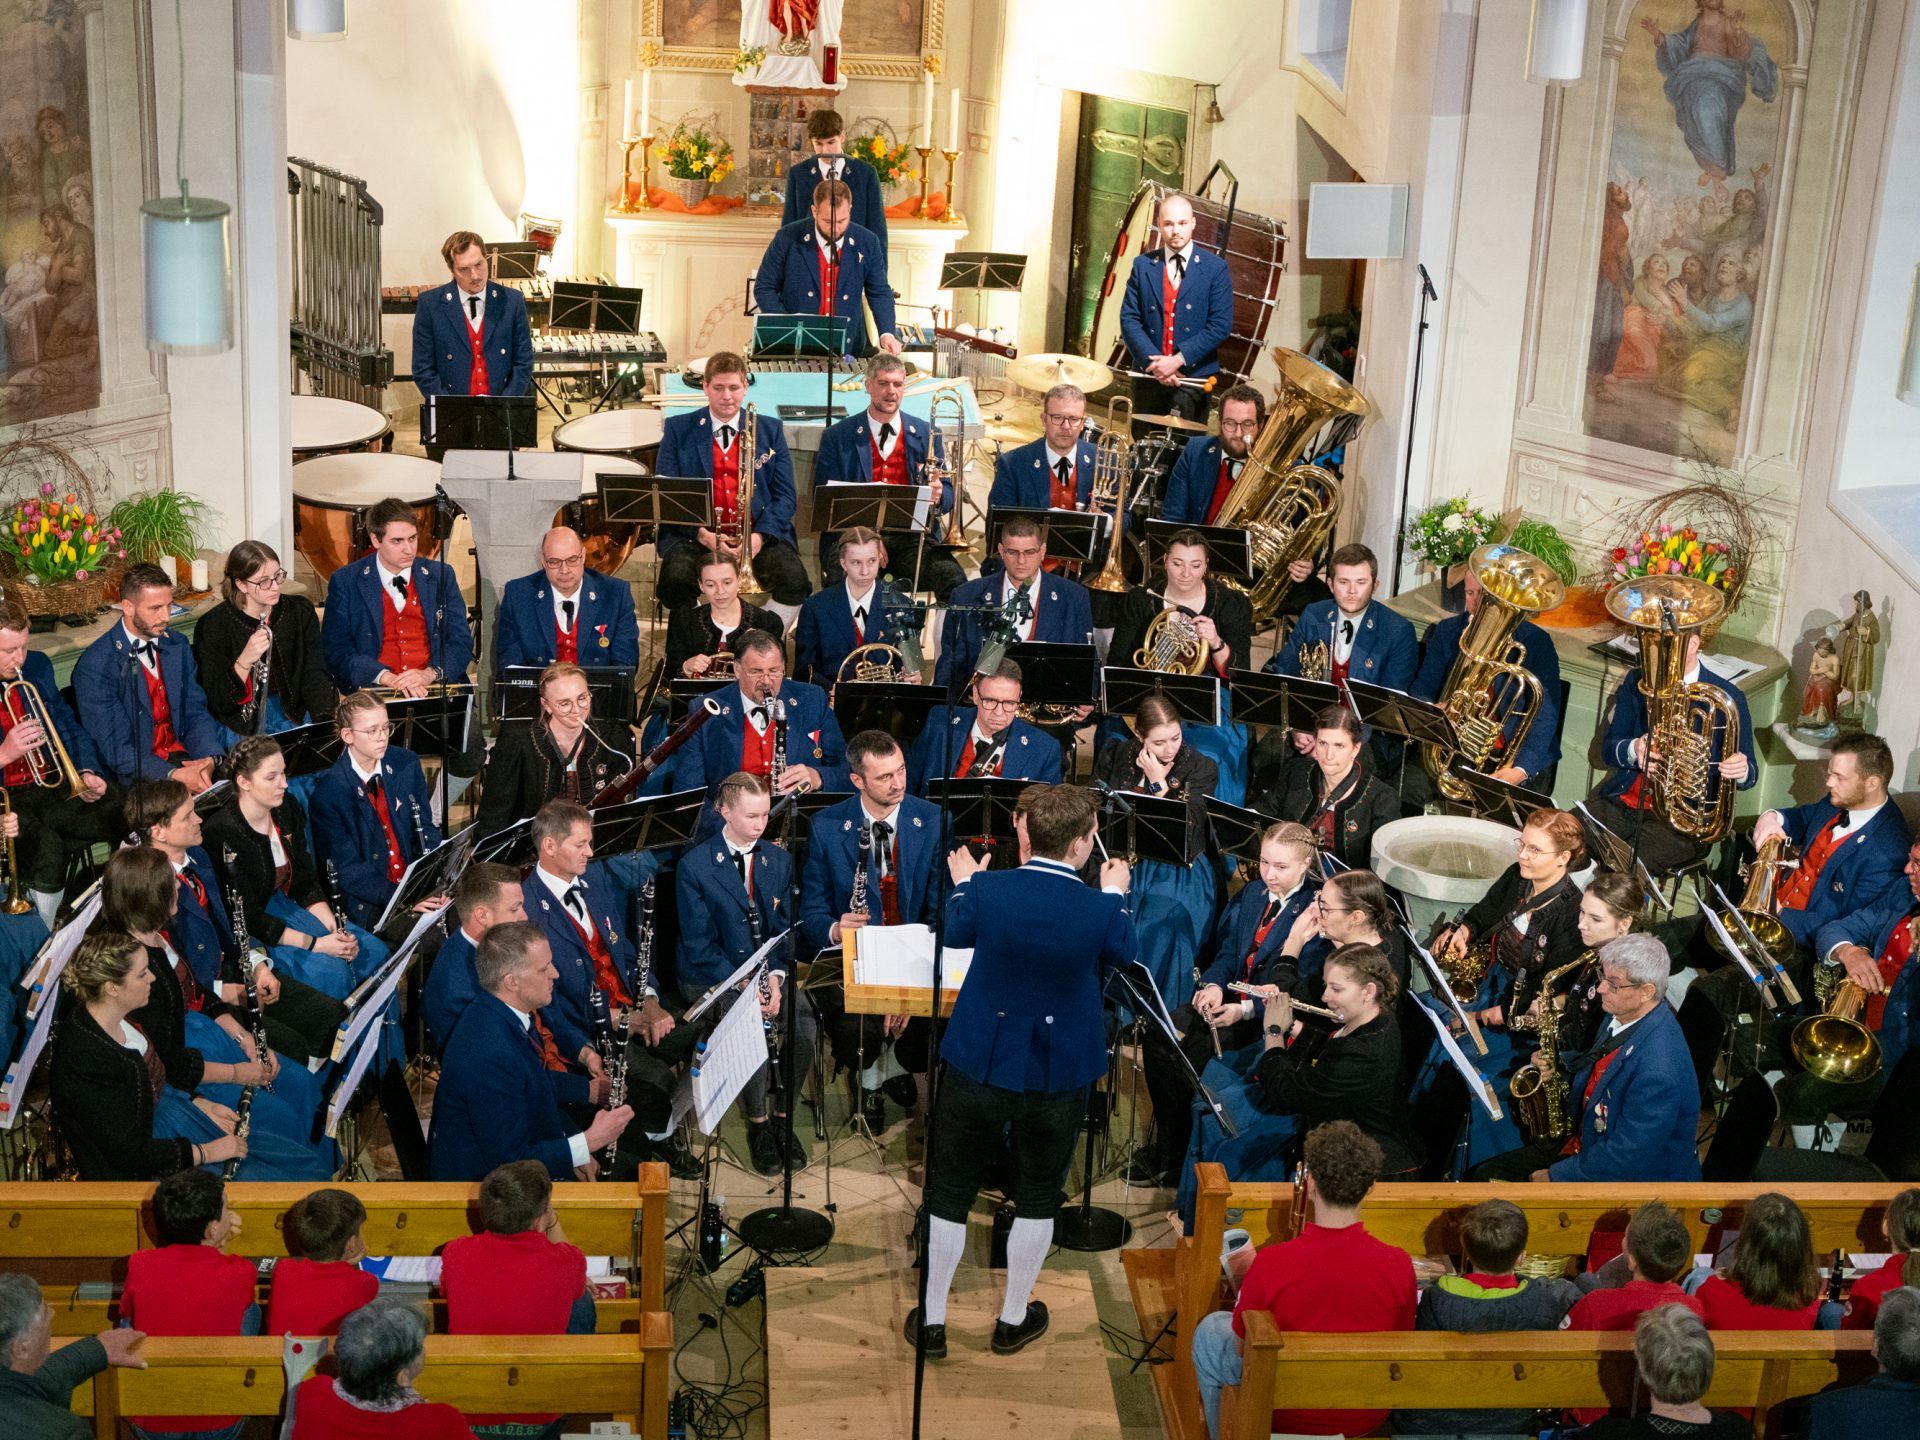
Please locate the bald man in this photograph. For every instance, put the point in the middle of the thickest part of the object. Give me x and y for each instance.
(1177, 310)
(566, 611)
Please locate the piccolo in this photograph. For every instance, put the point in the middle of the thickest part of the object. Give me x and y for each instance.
(1242, 987)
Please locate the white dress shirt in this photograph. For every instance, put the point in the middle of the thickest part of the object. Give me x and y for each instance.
(560, 616)
(1345, 628)
(387, 577)
(474, 315)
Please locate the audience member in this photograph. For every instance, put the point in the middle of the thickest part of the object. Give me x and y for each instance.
(1902, 1267)
(380, 1352)
(37, 1381)
(1886, 1407)
(1674, 1353)
(1772, 1281)
(320, 1282)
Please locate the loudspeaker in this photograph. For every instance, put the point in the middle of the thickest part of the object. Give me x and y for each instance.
(1356, 222)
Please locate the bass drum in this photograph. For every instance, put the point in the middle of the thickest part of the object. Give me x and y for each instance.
(332, 492)
(608, 543)
(1256, 254)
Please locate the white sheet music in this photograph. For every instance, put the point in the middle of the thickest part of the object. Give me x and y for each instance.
(726, 986)
(1476, 1082)
(1438, 983)
(902, 956)
(359, 1019)
(43, 979)
(356, 1072)
(734, 1053)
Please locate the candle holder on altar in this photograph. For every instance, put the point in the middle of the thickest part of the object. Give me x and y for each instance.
(952, 217)
(628, 205)
(925, 152)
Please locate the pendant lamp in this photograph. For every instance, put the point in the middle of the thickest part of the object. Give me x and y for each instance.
(189, 254)
(1557, 40)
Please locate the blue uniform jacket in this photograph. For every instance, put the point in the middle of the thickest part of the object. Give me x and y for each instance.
(1878, 1408)
(570, 1015)
(846, 452)
(1629, 723)
(1063, 616)
(788, 282)
(1202, 309)
(1642, 1119)
(869, 208)
(813, 738)
(823, 636)
(1022, 481)
(686, 448)
(603, 619)
(443, 346)
(1030, 753)
(833, 844)
(204, 937)
(1190, 487)
(357, 608)
(716, 937)
(496, 1100)
(1385, 648)
(1541, 749)
(1233, 932)
(1020, 1024)
(118, 717)
(1863, 869)
(347, 831)
(1872, 927)
(37, 671)
(451, 987)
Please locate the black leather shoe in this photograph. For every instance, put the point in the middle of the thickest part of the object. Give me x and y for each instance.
(796, 1151)
(901, 1090)
(1010, 1339)
(763, 1146)
(873, 1110)
(682, 1163)
(936, 1335)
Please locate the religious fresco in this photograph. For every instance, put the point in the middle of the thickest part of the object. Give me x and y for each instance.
(864, 27)
(1689, 204)
(49, 311)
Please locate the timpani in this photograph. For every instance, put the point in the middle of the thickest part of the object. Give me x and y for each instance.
(634, 431)
(331, 492)
(608, 543)
(323, 425)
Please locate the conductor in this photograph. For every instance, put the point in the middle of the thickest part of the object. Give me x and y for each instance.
(1025, 1041)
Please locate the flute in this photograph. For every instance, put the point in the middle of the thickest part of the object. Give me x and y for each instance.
(1242, 987)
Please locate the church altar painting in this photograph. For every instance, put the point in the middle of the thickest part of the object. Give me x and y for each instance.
(695, 31)
(1688, 215)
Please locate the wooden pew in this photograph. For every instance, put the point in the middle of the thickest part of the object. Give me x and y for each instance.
(626, 1376)
(1533, 1369)
(68, 1234)
(1170, 1287)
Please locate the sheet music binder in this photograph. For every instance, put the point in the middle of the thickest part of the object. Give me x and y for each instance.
(1195, 698)
(1229, 551)
(656, 500)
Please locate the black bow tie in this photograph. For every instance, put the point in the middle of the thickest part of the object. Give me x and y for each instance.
(726, 437)
(741, 860)
(567, 606)
(1179, 268)
(886, 434)
(1346, 632)
(1063, 467)
(576, 897)
(399, 582)
(146, 649)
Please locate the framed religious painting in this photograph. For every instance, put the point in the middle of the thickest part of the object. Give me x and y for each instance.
(875, 39)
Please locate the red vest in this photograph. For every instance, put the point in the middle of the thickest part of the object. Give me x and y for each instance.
(889, 471)
(1797, 889)
(1892, 960)
(726, 478)
(18, 772)
(1067, 496)
(566, 643)
(606, 974)
(1221, 487)
(396, 861)
(165, 742)
(477, 376)
(1260, 931)
(966, 759)
(890, 887)
(756, 750)
(1593, 1083)
(1168, 295)
(403, 635)
(829, 267)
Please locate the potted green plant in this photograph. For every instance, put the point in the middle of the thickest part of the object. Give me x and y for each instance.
(1444, 535)
(161, 522)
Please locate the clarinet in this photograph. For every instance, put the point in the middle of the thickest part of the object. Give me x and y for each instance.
(858, 903)
(613, 1055)
(253, 713)
(336, 900)
(419, 826)
(778, 765)
(236, 913)
(757, 930)
(643, 976)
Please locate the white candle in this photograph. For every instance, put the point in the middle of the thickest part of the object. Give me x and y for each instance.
(626, 110)
(926, 109)
(172, 567)
(953, 122)
(199, 575)
(646, 100)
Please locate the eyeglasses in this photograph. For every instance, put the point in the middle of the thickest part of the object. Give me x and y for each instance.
(986, 702)
(375, 732)
(1027, 552)
(564, 562)
(1536, 852)
(267, 582)
(1607, 982)
(1238, 427)
(1332, 909)
(584, 702)
(1074, 420)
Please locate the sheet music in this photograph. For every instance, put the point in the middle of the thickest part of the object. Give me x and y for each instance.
(902, 956)
(57, 951)
(425, 1269)
(1476, 1082)
(464, 837)
(734, 1054)
(43, 979)
(1437, 979)
(726, 986)
(361, 1017)
(1728, 946)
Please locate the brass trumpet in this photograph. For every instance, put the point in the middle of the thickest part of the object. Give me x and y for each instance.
(17, 901)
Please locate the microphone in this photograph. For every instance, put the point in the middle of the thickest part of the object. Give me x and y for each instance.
(1426, 283)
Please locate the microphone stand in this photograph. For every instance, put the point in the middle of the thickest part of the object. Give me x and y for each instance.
(1427, 294)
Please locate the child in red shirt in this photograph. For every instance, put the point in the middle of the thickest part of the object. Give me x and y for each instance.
(1658, 1251)
(187, 1287)
(1902, 1268)
(1772, 1281)
(1333, 1277)
(320, 1282)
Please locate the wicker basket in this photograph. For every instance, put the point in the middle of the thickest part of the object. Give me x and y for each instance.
(691, 193)
(66, 597)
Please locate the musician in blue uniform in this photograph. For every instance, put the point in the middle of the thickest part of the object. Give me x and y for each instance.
(751, 734)
(1054, 472)
(487, 895)
(711, 442)
(568, 611)
(824, 265)
(1539, 752)
(887, 446)
(138, 692)
(496, 1099)
(827, 134)
(860, 609)
(1035, 606)
(372, 812)
(884, 842)
(1177, 311)
(984, 740)
(1024, 1043)
(736, 893)
(471, 337)
(600, 995)
(1622, 803)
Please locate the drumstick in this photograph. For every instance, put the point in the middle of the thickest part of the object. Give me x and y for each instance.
(1191, 382)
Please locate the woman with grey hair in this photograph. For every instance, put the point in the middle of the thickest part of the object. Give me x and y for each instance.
(379, 1353)
(1675, 1356)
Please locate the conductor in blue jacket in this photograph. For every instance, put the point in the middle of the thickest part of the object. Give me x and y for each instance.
(496, 1099)
(471, 337)
(824, 265)
(1634, 1089)
(1024, 1043)
(566, 611)
(827, 133)
(1177, 310)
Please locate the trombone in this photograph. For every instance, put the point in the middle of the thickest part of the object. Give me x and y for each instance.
(947, 418)
(1112, 470)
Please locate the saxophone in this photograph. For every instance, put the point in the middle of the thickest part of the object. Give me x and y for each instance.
(1540, 1091)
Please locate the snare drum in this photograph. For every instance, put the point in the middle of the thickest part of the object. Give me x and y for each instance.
(325, 426)
(634, 432)
(329, 494)
(608, 543)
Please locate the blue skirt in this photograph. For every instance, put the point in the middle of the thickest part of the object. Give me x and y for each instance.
(295, 1091)
(1261, 1149)
(1485, 1136)
(1172, 916)
(21, 937)
(329, 974)
(270, 1155)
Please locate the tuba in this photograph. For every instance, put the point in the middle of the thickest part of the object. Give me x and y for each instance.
(1112, 471)
(1758, 903)
(1687, 725)
(1489, 686)
(741, 532)
(1836, 1044)
(1288, 507)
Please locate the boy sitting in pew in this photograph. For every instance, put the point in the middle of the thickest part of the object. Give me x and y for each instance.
(320, 1282)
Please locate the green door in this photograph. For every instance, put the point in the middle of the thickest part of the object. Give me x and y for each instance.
(1121, 144)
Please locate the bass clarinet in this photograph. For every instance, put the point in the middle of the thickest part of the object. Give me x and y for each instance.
(777, 765)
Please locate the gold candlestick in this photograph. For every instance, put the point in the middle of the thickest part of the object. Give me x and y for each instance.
(952, 217)
(625, 205)
(646, 169)
(925, 152)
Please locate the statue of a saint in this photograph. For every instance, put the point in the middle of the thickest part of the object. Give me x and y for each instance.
(1858, 639)
(1822, 697)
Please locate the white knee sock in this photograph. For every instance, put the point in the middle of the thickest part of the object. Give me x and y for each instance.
(1027, 1246)
(47, 902)
(789, 614)
(946, 1243)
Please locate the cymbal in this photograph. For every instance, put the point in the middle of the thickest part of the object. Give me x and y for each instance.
(1171, 422)
(1043, 372)
(1012, 432)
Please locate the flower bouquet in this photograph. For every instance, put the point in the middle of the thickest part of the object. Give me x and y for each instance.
(1664, 550)
(1445, 535)
(65, 555)
(893, 163)
(696, 162)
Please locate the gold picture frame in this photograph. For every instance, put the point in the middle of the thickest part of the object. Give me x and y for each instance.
(652, 31)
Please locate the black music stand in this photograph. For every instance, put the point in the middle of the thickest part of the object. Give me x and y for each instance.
(516, 693)
(433, 873)
(656, 500)
(980, 811)
(1284, 700)
(982, 270)
(511, 846)
(1195, 698)
(1229, 552)
(1614, 853)
(1497, 797)
(1056, 674)
(897, 707)
(433, 725)
(653, 822)
(1155, 827)
(1067, 534)
(804, 337)
(601, 309)
(843, 505)
(1421, 722)
(515, 259)
(1237, 831)
(685, 690)
(309, 749)
(479, 422)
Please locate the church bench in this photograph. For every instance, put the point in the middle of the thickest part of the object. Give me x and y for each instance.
(625, 1376)
(80, 1234)
(1547, 1369)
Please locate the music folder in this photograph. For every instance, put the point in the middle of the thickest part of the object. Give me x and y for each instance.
(1284, 700)
(1394, 712)
(1236, 830)
(1068, 534)
(1150, 827)
(1499, 797)
(433, 873)
(842, 505)
(1056, 674)
(656, 500)
(1195, 698)
(899, 708)
(1229, 551)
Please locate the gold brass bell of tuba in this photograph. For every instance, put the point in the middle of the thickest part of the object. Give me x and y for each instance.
(1689, 727)
(741, 532)
(1835, 1045)
(1112, 471)
(1759, 905)
(1288, 507)
(1489, 686)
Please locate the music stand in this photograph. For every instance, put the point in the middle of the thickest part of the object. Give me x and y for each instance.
(804, 337)
(843, 505)
(653, 822)
(1157, 828)
(1614, 853)
(1195, 698)
(1284, 700)
(515, 259)
(309, 749)
(656, 500)
(1056, 674)
(1229, 551)
(433, 873)
(479, 422)
(434, 725)
(1237, 831)
(897, 707)
(516, 693)
(1068, 534)
(685, 690)
(511, 846)
(1497, 796)
(981, 809)
(981, 271)
(1394, 712)
(602, 309)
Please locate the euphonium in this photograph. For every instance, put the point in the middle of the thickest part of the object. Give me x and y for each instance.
(741, 531)
(1758, 903)
(1835, 1045)
(1112, 471)
(1688, 726)
(1288, 507)
(1540, 1091)
(1489, 684)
